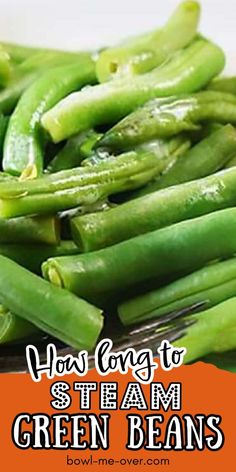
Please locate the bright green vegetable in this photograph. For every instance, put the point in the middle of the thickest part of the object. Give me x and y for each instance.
(31, 256)
(18, 84)
(52, 309)
(188, 71)
(24, 143)
(143, 53)
(156, 254)
(86, 175)
(214, 284)
(75, 151)
(154, 211)
(163, 118)
(224, 84)
(183, 247)
(3, 127)
(231, 163)
(13, 328)
(213, 332)
(44, 230)
(19, 53)
(5, 67)
(207, 157)
(81, 186)
(225, 361)
(6, 177)
(30, 70)
(168, 149)
(202, 133)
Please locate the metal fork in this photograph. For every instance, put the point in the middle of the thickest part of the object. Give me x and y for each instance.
(150, 334)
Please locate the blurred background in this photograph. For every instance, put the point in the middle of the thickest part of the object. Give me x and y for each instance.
(75, 24)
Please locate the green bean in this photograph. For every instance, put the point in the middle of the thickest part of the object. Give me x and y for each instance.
(214, 283)
(213, 331)
(165, 118)
(72, 198)
(13, 328)
(6, 177)
(82, 186)
(205, 158)
(231, 163)
(182, 247)
(189, 71)
(19, 53)
(119, 166)
(10, 95)
(30, 70)
(75, 151)
(154, 211)
(169, 149)
(5, 68)
(33, 255)
(143, 53)
(3, 127)
(43, 60)
(52, 309)
(166, 151)
(205, 131)
(224, 84)
(24, 144)
(44, 230)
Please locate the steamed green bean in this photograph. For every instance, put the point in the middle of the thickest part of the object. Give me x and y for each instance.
(81, 186)
(50, 308)
(143, 53)
(213, 332)
(165, 118)
(24, 144)
(14, 329)
(213, 284)
(152, 255)
(208, 156)
(188, 71)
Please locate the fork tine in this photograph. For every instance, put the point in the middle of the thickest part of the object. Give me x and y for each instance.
(163, 320)
(170, 333)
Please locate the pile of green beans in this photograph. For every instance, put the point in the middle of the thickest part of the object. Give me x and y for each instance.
(143, 258)
(150, 50)
(28, 71)
(154, 211)
(23, 146)
(213, 284)
(167, 117)
(188, 71)
(208, 156)
(51, 309)
(118, 189)
(75, 151)
(79, 186)
(31, 256)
